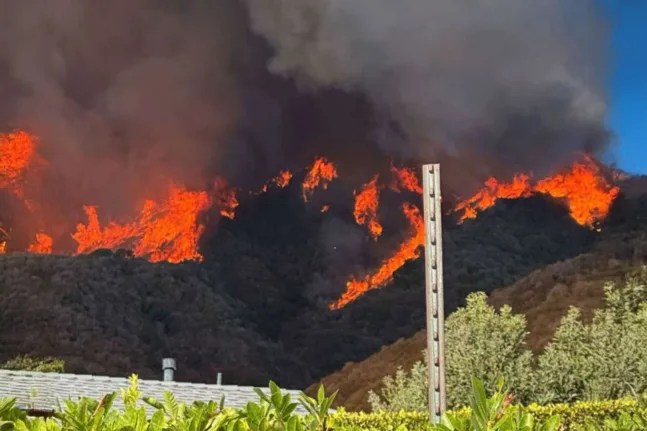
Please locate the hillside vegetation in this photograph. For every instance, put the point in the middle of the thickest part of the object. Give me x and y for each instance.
(250, 310)
(544, 296)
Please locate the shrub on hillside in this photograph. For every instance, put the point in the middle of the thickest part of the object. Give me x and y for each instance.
(28, 363)
(479, 342)
(605, 358)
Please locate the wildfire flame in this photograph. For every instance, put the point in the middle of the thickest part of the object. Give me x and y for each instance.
(283, 179)
(366, 204)
(409, 249)
(405, 178)
(16, 152)
(582, 187)
(226, 198)
(168, 231)
(321, 173)
(43, 244)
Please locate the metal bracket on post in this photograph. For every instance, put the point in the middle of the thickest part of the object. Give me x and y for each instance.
(434, 291)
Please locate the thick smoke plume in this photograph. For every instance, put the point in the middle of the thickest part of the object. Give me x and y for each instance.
(124, 95)
(127, 94)
(512, 84)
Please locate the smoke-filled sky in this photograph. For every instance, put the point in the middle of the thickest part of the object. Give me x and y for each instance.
(628, 113)
(130, 92)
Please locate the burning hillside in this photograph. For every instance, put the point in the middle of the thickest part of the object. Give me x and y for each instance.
(586, 192)
(170, 229)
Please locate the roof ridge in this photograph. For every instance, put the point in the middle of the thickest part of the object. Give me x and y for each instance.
(125, 380)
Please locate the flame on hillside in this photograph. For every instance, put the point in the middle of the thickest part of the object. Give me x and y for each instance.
(225, 197)
(43, 244)
(366, 204)
(168, 229)
(321, 174)
(283, 179)
(408, 250)
(16, 153)
(403, 178)
(583, 188)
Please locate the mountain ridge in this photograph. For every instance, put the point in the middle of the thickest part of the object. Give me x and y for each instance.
(249, 310)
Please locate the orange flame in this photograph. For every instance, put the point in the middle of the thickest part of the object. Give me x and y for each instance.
(283, 179)
(409, 249)
(16, 152)
(225, 198)
(321, 173)
(493, 190)
(366, 204)
(167, 231)
(584, 189)
(43, 244)
(405, 178)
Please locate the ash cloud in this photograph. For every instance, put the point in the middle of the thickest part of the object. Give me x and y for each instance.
(515, 84)
(127, 94)
(123, 95)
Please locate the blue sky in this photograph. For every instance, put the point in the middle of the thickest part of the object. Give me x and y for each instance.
(628, 115)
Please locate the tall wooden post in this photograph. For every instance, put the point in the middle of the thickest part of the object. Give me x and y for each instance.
(434, 290)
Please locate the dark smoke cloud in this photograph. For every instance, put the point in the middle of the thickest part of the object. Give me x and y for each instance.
(123, 94)
(514, 84)
(126, 94)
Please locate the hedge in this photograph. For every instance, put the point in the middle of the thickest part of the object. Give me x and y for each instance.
(572, 415)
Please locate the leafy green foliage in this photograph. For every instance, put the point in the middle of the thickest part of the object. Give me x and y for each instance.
(486, 344)
(605, 358)
(494, 413)
(274, 412)
(479, 342)
(403, 391)
(28, 363)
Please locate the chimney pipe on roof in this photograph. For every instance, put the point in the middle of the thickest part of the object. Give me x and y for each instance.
(219, 379)
(168, 366)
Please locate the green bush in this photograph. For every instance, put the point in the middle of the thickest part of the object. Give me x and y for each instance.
(273, 412)
(480, 342)
(28, 363)
(573, 416)
(605, 358)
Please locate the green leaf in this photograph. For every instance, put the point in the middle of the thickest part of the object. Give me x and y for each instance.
(552, 424)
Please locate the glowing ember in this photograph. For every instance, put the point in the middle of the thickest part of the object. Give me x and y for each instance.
(588, 195)
(283, 179)
(321, 173)
(167, 231)
(325, 208)
(493, 190)
(16, 152)
(225, 198)
(43, 244)
(409, 249)
(586, 192)
(405, 178)
(366, 204)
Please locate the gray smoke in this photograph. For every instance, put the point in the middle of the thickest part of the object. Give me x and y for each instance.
(126, 94)
(516, 84)
(123, 95)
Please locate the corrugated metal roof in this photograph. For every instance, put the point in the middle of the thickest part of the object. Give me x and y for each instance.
(46, 391)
